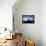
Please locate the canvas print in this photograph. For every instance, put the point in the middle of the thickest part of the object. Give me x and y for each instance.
(28, 19)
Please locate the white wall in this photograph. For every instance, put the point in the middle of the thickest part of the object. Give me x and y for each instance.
(29, 7)
(33, 7)
(43, 22)
(6, 13)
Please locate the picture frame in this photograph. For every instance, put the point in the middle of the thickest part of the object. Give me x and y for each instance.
(28, 19)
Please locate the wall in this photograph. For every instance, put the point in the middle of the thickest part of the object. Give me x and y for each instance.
(28, 7)
(6, 13)
(43, 22)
